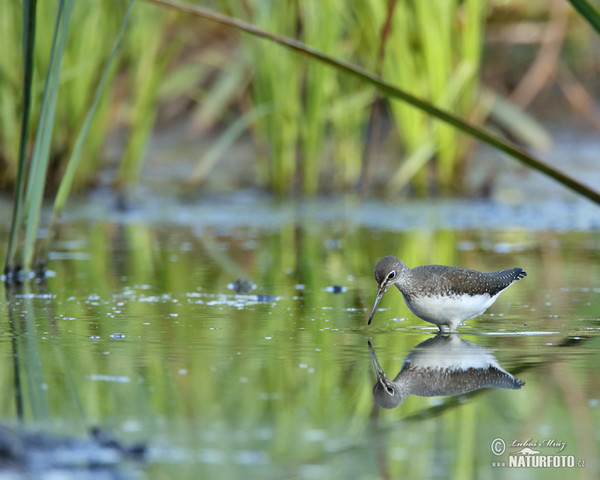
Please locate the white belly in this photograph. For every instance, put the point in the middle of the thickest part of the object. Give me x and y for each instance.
(451, 310)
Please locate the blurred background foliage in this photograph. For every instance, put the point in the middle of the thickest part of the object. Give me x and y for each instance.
(306, 122)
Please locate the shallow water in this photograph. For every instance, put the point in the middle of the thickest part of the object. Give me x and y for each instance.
(138, 331)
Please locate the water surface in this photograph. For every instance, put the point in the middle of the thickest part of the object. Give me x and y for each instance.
(138, 331)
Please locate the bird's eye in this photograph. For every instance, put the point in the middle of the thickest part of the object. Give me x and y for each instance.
(391, 275)
(390, 391)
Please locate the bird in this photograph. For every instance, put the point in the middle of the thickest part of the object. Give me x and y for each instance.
(441, 365)
(442, 295)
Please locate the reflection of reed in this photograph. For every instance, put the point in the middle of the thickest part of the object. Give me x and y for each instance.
(18, 391)
(442, 365)
(27, 363)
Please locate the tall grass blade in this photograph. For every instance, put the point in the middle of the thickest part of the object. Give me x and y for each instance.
(41, 149)
(587, 11)
(220, 146)
(392, 91)
(67, 180)
(29, 17)
(150, 58)
(412, 164)
(374, 122)
(521, 126)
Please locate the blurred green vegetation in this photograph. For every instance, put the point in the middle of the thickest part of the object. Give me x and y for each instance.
(307, 121)
(32, 173)
(208, 376)
(82, 62)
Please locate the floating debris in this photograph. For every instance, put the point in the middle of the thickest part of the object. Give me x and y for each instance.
(110, 378)
(335, 289)
(242, 285)
(266, 298)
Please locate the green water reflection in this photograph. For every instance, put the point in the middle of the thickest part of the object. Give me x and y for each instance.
(139, 332)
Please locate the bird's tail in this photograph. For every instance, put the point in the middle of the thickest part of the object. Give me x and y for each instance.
(521, 274)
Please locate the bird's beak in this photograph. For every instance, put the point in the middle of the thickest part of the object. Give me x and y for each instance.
(380, 291)
(381, 376)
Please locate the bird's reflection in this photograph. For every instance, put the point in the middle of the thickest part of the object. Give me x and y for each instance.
(442, 365)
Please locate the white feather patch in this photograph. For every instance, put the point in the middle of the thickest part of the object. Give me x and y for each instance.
(450, 310)
(452, 354)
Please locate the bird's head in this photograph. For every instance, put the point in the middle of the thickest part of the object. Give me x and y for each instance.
(387, 272)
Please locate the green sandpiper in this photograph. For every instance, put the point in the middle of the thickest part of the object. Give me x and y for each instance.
(445, 296)
(442, 365)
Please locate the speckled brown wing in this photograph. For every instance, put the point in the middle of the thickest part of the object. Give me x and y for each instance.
(429, 383)
(431, 280)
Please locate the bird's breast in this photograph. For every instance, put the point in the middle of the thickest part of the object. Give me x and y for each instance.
(437, 309)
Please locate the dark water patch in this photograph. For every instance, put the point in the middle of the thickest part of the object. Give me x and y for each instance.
(28, 454)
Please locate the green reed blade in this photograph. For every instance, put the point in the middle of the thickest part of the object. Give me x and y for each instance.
(413, 163)
(225, 140)
(149, 59)
(67, 181)
(73, 163)
(373, 124)
(587, 11)
(322, 27)
(213, 105)
(41, 149)
(516, 121)
(390, 90)
(29, 12)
